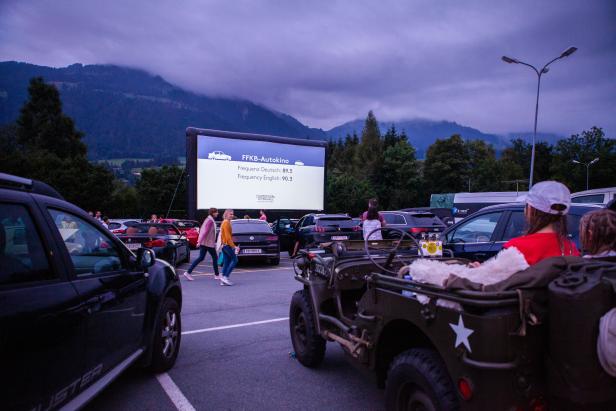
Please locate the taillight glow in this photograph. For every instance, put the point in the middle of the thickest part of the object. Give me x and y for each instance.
(416, 230)
(538, 404)
(320, 229)
(356, 228)
(272, 238)
(465, 388)
(155, 243)
(118, 231)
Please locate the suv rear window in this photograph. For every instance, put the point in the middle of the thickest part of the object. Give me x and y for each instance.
(424, 219)
(342, 222)
(393, 218)
(241, 227)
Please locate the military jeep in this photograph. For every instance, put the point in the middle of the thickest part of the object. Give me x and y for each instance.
(437, 349)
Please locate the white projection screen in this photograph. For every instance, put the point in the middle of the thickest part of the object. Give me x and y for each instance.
(244, 172)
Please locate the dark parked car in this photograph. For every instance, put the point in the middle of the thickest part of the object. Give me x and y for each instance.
(76, 306)
(416, 223)
(285, 229)
(313, 229)
(483, 234)
(256, 240)
(445, 214)
(167, 242)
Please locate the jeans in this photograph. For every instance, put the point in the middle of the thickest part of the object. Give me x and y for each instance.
(230, 260)
(202, 252)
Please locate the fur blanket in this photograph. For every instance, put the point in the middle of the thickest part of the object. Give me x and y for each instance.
(500, 267)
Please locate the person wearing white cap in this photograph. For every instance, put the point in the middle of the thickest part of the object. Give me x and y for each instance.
(547, 205)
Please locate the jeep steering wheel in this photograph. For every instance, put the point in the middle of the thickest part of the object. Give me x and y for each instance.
(393, 252)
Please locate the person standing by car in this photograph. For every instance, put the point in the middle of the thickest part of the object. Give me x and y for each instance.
(372, 223)
(229, 249)
(374, 203)
(262, 216)
(153, 219)
(547, 205)
(206, 244)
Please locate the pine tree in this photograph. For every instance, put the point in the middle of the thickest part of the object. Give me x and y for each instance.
(370, 150)
(42, 126)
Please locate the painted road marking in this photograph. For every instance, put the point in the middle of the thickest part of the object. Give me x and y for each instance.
(174, 393)
(226, 327)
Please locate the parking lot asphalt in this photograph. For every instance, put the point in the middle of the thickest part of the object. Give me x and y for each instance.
(235, 354)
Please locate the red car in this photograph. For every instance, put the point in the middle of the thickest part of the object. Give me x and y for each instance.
(188, 227)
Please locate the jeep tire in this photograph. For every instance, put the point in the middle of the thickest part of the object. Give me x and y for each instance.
(309, 346)
(167, 336)
(418, 380)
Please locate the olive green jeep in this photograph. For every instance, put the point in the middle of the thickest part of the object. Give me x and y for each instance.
(434, 348)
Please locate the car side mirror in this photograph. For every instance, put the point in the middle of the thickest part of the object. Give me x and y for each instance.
(145, 258)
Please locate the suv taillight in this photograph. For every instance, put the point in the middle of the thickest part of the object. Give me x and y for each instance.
(272, 238)
(356, 228)
(320, 229)
(416, 230)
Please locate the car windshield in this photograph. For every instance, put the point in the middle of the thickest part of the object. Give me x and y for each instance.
(240, 227)
(152, 229)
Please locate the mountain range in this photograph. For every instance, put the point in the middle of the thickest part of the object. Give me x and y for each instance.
(126, 112)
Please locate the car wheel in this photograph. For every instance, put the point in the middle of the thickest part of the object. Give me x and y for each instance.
(167, 337)
(418, 380)
(309, 346)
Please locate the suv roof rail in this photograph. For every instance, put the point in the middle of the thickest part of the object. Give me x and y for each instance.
(26, 184)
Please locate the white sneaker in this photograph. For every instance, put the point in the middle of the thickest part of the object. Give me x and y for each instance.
(188, 277)
(225, 281)
(216, 277)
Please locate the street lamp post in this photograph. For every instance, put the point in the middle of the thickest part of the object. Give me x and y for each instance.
(587, 167)
(544, 70)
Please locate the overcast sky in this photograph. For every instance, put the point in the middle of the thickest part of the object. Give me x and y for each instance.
(328, 62)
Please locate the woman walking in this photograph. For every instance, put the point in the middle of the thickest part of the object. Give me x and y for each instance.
(206, 243)
(229, 249)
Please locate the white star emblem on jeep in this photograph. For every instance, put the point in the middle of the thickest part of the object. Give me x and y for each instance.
(462, 334)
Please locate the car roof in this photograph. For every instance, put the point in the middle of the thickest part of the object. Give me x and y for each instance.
(246, 220)
(516, 206)
(11, 182)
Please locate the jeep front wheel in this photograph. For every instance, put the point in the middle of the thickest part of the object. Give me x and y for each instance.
(309, 346)
(418, 381)
(168, 333)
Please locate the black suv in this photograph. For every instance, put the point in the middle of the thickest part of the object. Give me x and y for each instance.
(76, 306)
(313, 229)
(482, 235)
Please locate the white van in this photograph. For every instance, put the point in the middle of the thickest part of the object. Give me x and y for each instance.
(595, 196)
(464, 204)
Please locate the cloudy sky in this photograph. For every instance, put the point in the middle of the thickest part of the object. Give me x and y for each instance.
(327, 62)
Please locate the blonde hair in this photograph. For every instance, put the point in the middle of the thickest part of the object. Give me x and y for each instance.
(598, 231)
(227, 213)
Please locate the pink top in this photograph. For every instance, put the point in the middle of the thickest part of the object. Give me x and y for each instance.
(207, 233)
(263, 218)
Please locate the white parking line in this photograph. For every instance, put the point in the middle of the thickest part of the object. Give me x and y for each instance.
(173, 392)
(226, 327)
